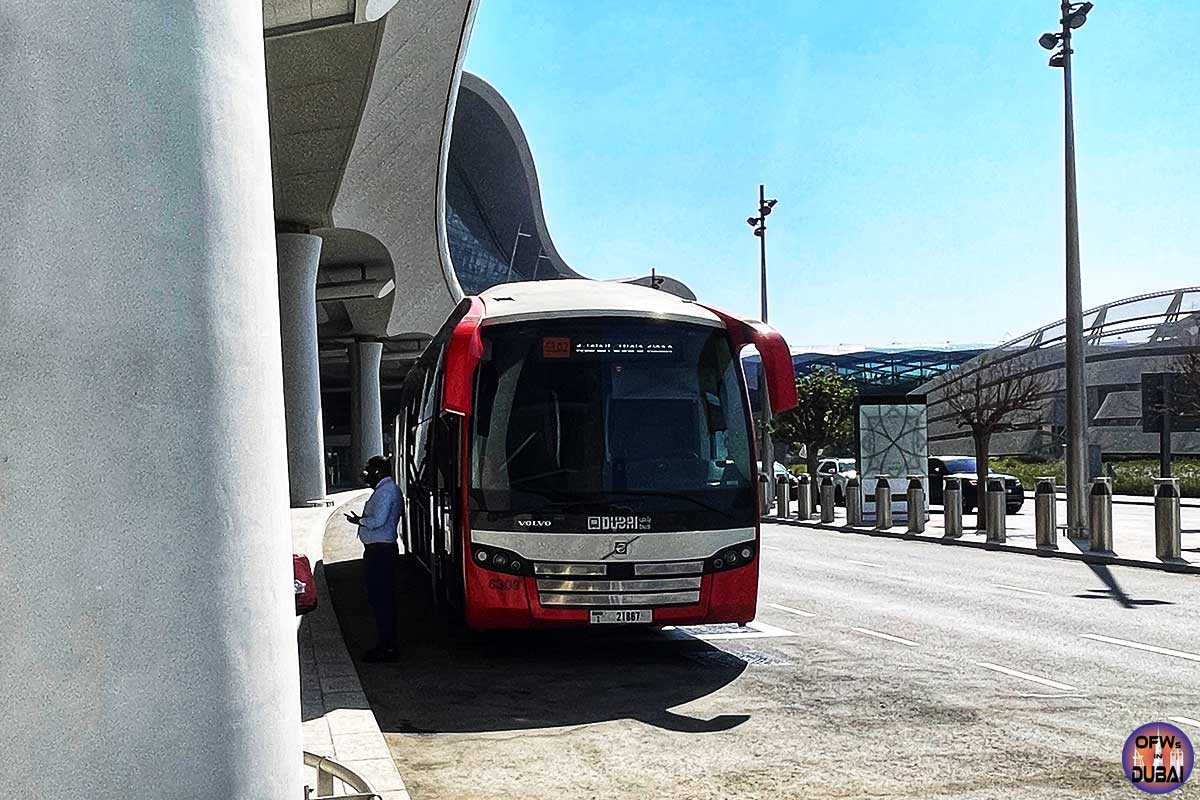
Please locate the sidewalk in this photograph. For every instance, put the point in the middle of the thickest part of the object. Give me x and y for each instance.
(1133, 535)
(337, 720)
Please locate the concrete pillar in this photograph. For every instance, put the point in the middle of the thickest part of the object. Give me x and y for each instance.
(149, 639)
(366, 409)
(299, 255)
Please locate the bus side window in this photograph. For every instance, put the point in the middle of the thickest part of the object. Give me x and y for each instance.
(424, 439)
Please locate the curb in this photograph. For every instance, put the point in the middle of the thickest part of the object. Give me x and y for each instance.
(1090, 558)
(339, 721)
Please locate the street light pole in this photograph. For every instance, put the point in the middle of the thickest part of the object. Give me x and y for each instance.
(761, 232)
(1073, 16)
(766, 450)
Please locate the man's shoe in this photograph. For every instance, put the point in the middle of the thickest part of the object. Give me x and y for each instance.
(379, 655)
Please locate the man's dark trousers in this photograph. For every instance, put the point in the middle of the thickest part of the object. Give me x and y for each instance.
(379, 568)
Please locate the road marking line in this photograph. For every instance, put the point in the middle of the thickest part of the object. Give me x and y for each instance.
(1166, 651)
(791, 610)
(770, 630)
(769, 547)
(757, 630)
(1026, 676)
(1018, 589)
(865, 563)
(888, 636)
(1195, 723)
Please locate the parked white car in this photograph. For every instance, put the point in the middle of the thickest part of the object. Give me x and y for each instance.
(841, 470)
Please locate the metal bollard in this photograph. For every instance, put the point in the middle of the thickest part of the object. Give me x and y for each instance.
(783, 498)
(883, 502)
(804, 509)
(952, 508)
(854, 508)
(1045, 514)
(1167, 527)
(994, 519)
(916, 504)
(1100, 516)
(827, 499)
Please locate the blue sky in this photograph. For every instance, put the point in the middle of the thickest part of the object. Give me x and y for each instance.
(915, 148)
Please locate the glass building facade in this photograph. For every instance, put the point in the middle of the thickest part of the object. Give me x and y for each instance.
(874, 372)
(478, 258)
(481, 259)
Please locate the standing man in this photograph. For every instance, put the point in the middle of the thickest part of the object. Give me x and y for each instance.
(377, 527)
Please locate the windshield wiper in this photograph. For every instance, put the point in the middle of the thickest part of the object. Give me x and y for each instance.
(673, 496)
(557, 500)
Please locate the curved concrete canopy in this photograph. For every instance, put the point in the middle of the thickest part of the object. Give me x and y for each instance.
(283, 16)
(361, 123)
(490, 147)
(371, 10)
(394, 177)
(490, 151)
(317, 83)
(354, 285)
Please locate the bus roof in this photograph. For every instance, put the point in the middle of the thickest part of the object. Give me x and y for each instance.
(513, 302)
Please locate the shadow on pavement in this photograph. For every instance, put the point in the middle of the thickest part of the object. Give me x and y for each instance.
(450, 680)
(1114, 591)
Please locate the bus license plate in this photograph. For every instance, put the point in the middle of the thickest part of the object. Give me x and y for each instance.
(623, 617)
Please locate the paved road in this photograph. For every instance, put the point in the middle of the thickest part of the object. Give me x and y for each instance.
(880, 668)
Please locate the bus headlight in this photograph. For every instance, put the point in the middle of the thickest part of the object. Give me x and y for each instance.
(495, 559)
(736, 556)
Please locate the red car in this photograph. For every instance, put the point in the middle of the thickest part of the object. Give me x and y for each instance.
(303, 583)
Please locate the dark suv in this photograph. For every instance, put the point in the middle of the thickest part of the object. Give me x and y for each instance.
(963, 467)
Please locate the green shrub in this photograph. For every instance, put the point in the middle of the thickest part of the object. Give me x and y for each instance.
(1129, 477)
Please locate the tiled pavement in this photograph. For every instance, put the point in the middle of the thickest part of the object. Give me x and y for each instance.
(338, 722)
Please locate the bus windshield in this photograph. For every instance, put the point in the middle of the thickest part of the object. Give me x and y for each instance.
(638, 414)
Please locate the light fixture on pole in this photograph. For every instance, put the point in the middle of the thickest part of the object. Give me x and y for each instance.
(541, 257)
(511, 259)
(759, 224)
(1074, 15)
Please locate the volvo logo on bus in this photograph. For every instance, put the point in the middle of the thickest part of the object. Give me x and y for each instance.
(618, 523)
(534, 523)
(620, 548)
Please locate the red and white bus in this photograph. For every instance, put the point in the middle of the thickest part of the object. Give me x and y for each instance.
(577, 452)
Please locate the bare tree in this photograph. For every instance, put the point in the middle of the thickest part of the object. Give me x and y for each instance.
(994, 398)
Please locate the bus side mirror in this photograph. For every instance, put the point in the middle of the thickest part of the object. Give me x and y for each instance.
(776, 358)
